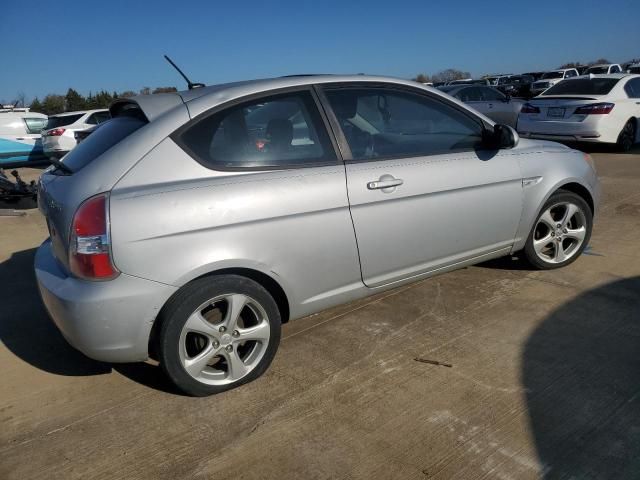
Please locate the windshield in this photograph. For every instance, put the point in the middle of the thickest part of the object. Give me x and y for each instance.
(55, 122)
(597, 70)
(504, 80)
(102, 139)
(552, 75)
(583, 86)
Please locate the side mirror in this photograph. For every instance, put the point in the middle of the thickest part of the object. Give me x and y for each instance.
(502, 137)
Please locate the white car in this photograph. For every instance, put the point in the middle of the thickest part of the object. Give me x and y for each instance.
(604, 68)
(597, 108)
(58, 138)
(20, 139)
(549, 79)
(633, 68)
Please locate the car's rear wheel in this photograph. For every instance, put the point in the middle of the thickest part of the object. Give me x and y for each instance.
(627, 136)
(561, 231)
(218, 333)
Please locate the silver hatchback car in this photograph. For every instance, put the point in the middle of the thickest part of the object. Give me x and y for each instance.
(192, 225)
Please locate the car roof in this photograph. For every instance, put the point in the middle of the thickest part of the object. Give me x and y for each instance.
(602, 65)
(199, 100)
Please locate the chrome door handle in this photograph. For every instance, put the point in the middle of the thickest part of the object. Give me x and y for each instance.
(386, 183)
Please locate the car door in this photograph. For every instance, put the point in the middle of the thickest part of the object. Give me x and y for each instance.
(499, 107)
(423, 194)
(20, 137)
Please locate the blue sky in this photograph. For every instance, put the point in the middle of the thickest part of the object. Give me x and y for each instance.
(48, 46)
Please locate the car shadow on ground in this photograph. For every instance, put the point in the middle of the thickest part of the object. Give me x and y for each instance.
(28, 332)
(581, 372)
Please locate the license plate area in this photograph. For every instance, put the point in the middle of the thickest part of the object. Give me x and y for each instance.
(555, 112)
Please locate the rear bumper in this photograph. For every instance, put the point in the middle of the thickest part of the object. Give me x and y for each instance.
(585, 131)
(108, 321)
(57, 146)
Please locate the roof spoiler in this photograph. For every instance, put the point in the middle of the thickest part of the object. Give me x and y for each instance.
(145, 107)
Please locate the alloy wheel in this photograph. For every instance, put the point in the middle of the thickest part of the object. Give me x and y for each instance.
(559, 233)
(224, 339)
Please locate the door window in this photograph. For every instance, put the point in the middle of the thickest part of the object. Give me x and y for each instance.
(277, 131)
(471, 94)
(491, 95)
(384, 123)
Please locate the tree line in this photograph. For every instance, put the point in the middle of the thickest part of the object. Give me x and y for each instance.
(73, 101)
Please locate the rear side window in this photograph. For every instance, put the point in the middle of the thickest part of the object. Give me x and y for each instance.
(273, 132)
(62, 121)
(35, 125)
(97, 118)
(633, 88)
(100, 140)
(583, 86)
(384, 123)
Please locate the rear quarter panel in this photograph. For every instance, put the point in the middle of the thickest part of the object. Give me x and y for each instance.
(173, 220)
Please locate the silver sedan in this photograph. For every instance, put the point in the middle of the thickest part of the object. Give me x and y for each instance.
(489, 101)
(193, 224)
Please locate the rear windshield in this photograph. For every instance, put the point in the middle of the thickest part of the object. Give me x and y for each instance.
(582, 86)
(55, 122)
(35, 125)
(597, 70)
(105, 136)
(552, 75)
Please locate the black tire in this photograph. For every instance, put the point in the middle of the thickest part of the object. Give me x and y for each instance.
(174, 315)
(627, 137)
(558, 198)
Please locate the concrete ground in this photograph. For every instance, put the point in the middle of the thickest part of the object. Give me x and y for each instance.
(544, 382)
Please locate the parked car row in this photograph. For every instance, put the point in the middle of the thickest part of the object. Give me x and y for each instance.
(28, 137)
(595, 109)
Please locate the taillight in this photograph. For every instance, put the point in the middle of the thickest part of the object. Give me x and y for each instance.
(595, 109)
(90, 241)
(528, 108)
(55, 132)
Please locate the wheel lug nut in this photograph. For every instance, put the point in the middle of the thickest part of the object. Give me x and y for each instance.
(559, 225)
(229, 348)
(236, 333)
(222, 329)
(216, 344)
(553, 234)
(564, 230)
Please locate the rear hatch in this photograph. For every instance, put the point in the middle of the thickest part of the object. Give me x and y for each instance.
(97, 163)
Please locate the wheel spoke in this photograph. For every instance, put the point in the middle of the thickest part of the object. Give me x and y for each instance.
(539, 245)
(260, 332)
(577, 234)
(195, 365)
(559, 255)
(570, 211)
(236, 303)
(237, 368)
(197, 323)
(548, 220)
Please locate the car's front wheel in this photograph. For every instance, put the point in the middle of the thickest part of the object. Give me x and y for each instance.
(218, 333)
(561, 231)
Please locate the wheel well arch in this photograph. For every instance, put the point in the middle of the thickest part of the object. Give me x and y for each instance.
(581, 191)
(266, 281)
